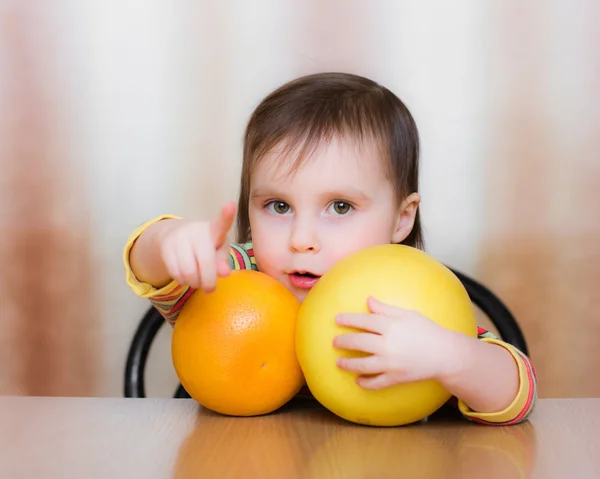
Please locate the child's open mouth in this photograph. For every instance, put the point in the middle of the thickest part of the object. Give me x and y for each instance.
(303, 279)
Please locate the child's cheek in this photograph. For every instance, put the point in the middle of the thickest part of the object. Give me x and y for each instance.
(270, 251)
(337, 244)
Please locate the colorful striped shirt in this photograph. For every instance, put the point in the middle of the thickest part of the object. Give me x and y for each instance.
(169, 300)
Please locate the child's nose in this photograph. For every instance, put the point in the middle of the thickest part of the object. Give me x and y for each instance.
(304, 238)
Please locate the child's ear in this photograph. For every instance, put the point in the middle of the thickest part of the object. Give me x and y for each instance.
(405, 218)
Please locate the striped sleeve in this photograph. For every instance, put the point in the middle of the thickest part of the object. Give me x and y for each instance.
(169, 299)
(521, 407)
(241, 256)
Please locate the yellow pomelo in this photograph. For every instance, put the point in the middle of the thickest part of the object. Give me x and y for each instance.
(398, 275)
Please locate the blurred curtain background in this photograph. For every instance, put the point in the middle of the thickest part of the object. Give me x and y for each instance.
(113, 112)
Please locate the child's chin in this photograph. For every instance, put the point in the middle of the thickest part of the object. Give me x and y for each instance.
(300, 294)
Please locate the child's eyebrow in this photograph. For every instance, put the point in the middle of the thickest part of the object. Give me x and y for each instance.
(349, 193)
(261, 193)
(346, 192)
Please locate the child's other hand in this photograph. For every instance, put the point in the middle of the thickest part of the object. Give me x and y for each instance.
(196, 252)
(403, 346)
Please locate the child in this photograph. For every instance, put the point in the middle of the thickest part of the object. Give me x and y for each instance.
(330, 166)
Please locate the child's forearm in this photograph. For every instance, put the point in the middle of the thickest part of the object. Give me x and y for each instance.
(485, 376)
(145, 257)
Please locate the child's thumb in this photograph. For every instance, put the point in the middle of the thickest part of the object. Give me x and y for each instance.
(223, 263)
(378, 307)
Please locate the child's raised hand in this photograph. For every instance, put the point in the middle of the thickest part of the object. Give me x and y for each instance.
(196, 252)
(402, 346)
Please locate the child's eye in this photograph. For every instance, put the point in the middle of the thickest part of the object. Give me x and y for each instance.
(278, 207)
(341, 208)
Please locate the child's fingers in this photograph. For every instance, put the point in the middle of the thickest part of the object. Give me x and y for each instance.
(172, 265)
(182, 265)
(207, 268)
(366, 322)
(374, 383)
(221, 226)
(366, 342)
(365, 365)
(377, 307)
(223, 268)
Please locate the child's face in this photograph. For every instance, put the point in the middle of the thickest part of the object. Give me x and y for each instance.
(338, 202)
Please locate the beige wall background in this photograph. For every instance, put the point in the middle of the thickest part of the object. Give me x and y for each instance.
(113, 112)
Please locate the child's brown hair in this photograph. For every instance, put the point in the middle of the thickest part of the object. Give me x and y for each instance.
(305, 111)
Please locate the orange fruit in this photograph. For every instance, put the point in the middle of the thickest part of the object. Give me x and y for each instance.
(234, 349)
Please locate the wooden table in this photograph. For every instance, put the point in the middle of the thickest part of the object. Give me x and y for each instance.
(163, 438)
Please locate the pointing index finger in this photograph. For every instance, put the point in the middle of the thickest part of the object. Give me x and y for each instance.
(221, 226)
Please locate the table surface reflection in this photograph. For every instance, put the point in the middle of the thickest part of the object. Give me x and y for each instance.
(113, 437)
